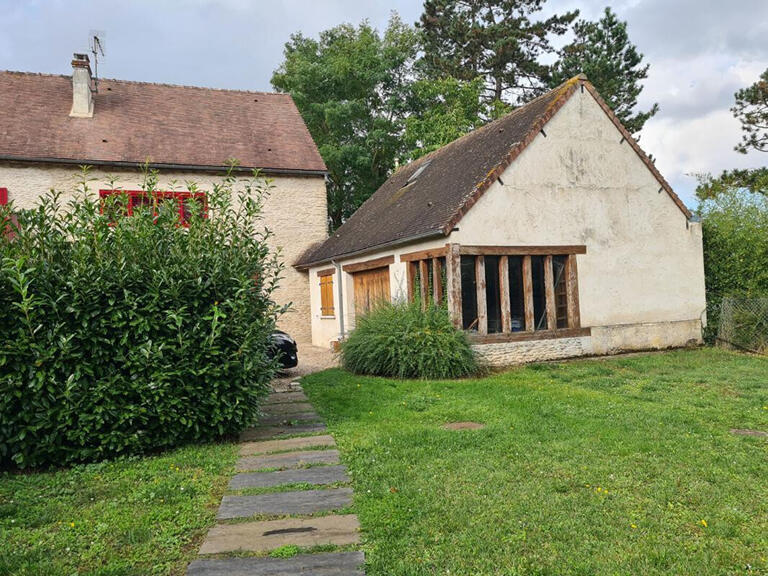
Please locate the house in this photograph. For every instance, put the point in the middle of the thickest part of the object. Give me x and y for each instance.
(49, 125)
(548, 233)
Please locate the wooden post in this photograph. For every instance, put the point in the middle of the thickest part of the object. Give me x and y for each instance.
(572, 288)
(549, 291)
(411, 268)
(506, 305)
(482, 306)
(528, 294)
(453, 279)
(424, 281)
(437, 281)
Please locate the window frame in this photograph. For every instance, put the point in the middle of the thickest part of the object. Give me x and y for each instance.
(179, 196)
(454, 253)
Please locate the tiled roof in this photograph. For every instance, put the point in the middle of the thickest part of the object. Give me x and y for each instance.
(168, 125)
(429, 196)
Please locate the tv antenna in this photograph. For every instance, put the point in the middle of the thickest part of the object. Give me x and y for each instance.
(97, 45)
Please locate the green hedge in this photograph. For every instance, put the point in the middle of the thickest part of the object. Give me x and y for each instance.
(402, 341)
(133, 335)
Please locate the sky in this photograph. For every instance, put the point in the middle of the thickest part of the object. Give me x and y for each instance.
(700, 52)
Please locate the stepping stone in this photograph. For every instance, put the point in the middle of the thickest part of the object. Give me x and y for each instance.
(747, 432)
(266, 536)
(318, 476)
(463, 426)
(270, 420)
(267, 432)
(254, 448)
(335, 564)
(284, 503)
(288, 408)
(288, 460)
(280, 397)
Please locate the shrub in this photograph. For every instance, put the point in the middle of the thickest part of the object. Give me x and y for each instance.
(402, 341)
(735, 229)
(125, 335)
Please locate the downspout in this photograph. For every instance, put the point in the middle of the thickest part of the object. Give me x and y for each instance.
(342, 331)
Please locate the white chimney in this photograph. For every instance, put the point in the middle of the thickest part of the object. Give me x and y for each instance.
(82, 99)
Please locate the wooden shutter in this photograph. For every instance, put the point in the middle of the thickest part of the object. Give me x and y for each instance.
(326, 293)
(3, 196)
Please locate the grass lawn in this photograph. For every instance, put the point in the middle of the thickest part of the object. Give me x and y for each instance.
(140, 516)
(618, 466)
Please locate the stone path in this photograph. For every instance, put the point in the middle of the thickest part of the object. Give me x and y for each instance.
(267, 508)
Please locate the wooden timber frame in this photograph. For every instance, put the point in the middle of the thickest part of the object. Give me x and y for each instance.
(417, 267)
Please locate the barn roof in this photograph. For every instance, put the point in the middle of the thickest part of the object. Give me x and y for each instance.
(180, 126)
(429, 196)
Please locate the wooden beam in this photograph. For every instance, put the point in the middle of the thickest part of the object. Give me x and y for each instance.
(527, 336)
(549, 291)
(423, 254)
(482, 306)
(528, 293)
(326, 272)
(424, 283)
(369, 264)
(437, 281)
(453, 279)
(506, 304)
(572, 288)
(522, 250)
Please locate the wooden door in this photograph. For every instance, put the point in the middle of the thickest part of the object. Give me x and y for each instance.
(371, 288)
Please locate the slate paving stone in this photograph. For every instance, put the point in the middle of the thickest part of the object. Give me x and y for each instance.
(267, 432)
(338, 530)
(267, 446)
(285, 503)
(281, 419)
(281, 397)
(318, 475)
(288, 460)
(287, 408)
(333, 564)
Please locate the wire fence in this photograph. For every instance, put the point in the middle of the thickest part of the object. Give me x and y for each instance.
(744, 324)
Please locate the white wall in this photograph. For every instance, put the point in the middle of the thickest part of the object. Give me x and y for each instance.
(581, 185)
(295, 211)
(641, 282)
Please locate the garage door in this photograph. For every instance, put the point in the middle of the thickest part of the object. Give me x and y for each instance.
(371, 288)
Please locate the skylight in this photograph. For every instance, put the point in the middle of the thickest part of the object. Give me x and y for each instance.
(418, 172)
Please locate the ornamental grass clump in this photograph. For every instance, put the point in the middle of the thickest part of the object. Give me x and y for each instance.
(400, 340)
(128, 334)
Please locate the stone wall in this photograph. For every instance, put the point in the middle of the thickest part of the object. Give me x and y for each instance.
(603, 340)
(295, 211)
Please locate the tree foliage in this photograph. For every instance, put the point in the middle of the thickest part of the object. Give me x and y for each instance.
(498, 40)
(735, 229)
(367, 105)
(349, 86)
(751, 109)
(123, 335)
(602, 50)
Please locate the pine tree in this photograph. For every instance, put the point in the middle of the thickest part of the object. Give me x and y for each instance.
(603, 52)
(495, 39)
(752, 110)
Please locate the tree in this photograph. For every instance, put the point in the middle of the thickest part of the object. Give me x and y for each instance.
(366, 104)
(752, 110)
(350, 87)
(497, 40)
(603, 52)
(440, 111)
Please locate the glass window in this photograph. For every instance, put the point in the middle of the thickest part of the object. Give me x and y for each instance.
(561, 293)
(539, 293)
(493, 294)
(516, 294)
(468, 293)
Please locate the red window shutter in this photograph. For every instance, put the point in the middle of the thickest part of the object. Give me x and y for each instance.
(3, 196)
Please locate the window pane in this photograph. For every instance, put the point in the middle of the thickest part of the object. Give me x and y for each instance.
(492, 294)
(539, 293)
(443, 282)
(516, 296)
(561, 295)
(468, 293)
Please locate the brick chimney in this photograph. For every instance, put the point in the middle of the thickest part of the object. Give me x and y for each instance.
(82, 98)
